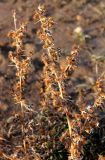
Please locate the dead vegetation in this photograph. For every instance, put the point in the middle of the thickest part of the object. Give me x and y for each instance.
(61, 128)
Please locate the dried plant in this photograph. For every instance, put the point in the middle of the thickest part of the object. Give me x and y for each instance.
(20, 61)
(54, 95)
(22, 64)
(54, 72)
(100, 97)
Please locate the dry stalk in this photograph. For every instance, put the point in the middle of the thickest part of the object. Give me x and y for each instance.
(55, 73)
(50, 58)
(20, 61)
